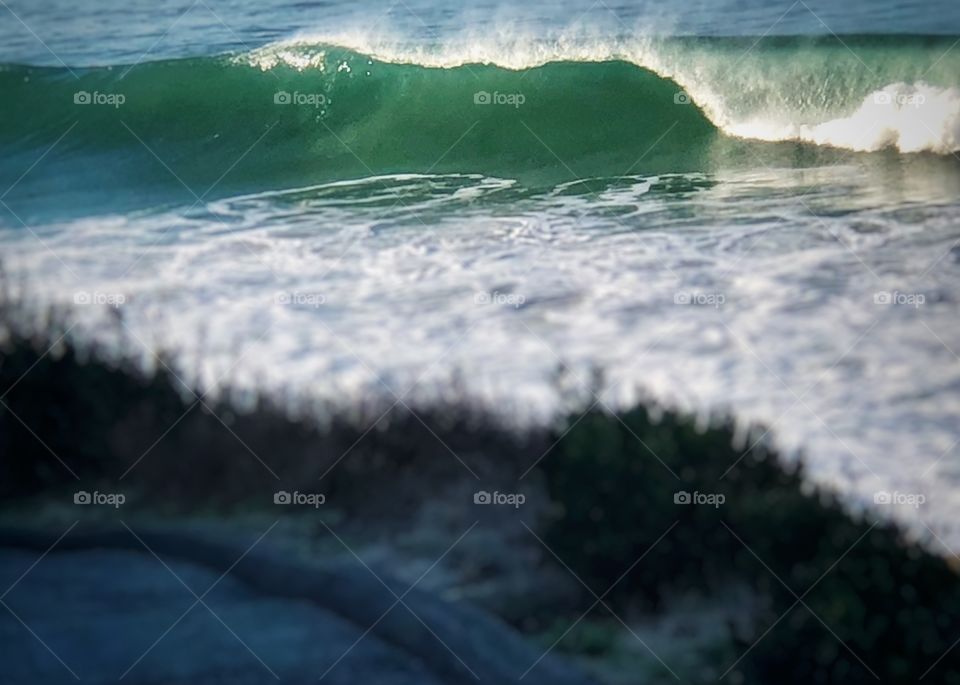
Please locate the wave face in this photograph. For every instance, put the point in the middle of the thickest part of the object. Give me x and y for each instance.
(306, 111)
(351, 116)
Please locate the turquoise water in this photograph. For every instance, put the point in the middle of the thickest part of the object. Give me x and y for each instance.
(733, 208)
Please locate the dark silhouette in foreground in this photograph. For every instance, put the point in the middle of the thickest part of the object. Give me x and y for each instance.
(834, 597)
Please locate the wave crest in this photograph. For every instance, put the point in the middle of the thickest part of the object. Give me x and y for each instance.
(785, 89)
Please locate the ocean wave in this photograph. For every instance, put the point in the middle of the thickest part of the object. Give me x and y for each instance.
(816, 90)
(302, 112)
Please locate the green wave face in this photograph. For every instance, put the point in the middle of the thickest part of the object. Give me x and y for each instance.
(294, 115)
(356, 117)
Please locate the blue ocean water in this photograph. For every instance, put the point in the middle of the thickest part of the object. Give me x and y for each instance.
(121, 32)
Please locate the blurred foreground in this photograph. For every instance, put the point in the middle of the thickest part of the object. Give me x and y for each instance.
(161, 536)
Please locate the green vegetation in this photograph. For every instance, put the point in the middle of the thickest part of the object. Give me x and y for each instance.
(833, 597)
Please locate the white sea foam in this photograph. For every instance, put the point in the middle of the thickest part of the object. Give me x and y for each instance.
(730, 295)
(908, 118)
